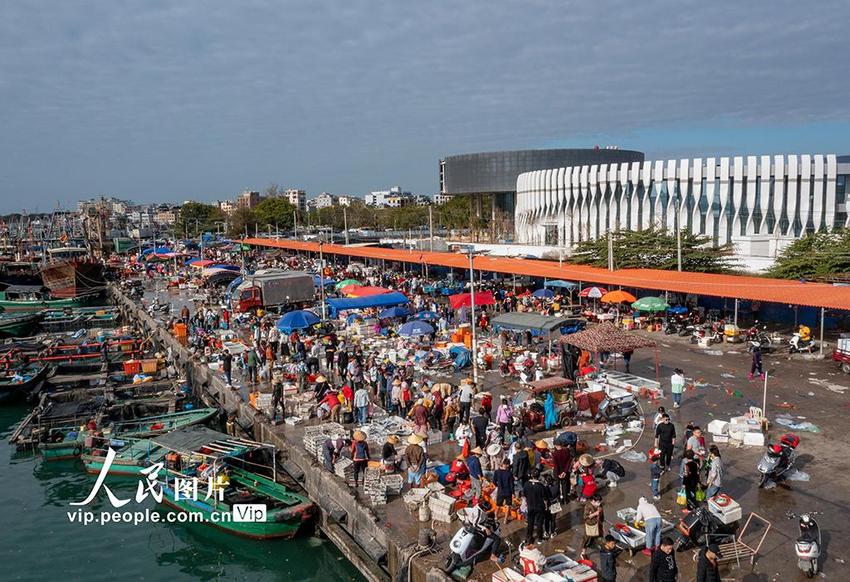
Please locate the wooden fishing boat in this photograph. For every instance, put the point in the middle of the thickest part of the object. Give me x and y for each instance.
(23, 298)
(18, 325)
(134, 452)
(285, 511)
(19, 382)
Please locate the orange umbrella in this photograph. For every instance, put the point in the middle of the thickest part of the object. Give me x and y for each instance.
(618, 296)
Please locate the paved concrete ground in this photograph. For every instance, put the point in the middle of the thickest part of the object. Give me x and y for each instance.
(816, 390)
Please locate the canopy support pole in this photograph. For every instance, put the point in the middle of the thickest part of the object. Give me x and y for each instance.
(822, 317)
(736, 312)
(657, 366)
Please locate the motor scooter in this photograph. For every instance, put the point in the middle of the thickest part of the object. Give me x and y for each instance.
(618, 409)
(778, 459)
(807, 545)
(697, 528)
(472, 544)
(795, 344)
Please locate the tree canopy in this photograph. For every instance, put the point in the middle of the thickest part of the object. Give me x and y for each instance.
(815, 256)
(656, 249)
(275, 211)
(196, 217)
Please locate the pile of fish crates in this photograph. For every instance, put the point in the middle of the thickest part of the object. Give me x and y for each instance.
(374, 487)
(315, 437)
(393, 483)
(344, 468)
(442, 507)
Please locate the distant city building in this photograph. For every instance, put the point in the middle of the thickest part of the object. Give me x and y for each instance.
(226, 206)
(296, 197)
(141, 216)
(248, 199)
(345, 200)
(394, 197)
(422, 200)
(440, 198)
(166, 215)
(324, 200)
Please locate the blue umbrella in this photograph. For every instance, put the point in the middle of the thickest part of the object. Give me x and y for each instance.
(560, 283)
(395, 311)
(427, 316)
(352, 317)
(415, 328)
(678, 310)
(293, 320)
(544, 293)
(327, 281)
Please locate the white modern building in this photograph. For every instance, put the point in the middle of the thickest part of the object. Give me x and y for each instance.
(758, 203)
(325, 200)
(394, 197)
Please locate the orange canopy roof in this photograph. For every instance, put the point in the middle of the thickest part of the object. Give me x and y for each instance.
(740, 286)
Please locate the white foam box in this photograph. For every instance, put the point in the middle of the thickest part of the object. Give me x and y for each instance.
(507, 575)
(717, 427)
(728, 514)
(754, 439)
(580, 574)
(720, 438)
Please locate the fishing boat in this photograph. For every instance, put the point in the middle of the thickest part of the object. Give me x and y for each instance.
(219, 462)
(285, 511)
(16, 298)
(62, 320)
(18, 325)
(134, 452)
(69, 273)
(16, 383)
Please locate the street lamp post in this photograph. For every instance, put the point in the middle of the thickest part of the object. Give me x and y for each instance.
(471, 251)
(321, 279)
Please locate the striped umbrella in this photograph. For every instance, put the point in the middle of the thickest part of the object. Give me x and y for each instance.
(593, 292)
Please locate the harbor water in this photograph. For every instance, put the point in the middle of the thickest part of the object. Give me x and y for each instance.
(39, 542)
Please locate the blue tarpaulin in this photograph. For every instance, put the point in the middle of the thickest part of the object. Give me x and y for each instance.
(383, 300)
(551, 414)
(232, 286)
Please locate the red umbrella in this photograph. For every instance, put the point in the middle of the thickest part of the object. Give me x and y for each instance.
(465, 299)
(593, 292)
(361, 291)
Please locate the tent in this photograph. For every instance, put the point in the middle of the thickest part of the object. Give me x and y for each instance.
(361, 291)
(605, 337)
(351, 303)
(395, 311)
(465, 299)
(415, 328)
(542, 324)
(300, 319)
(560, 283)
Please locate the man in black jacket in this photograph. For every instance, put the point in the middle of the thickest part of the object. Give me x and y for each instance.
(227, 366)
(708, 569)
(608, 560)
(663, 567)
(535, 497)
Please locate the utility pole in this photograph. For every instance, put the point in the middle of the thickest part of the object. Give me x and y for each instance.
(345, 223)
(679, 236)
(322, 278)
(295, 223)
(472, 316)
(431, 228)
(610, 251)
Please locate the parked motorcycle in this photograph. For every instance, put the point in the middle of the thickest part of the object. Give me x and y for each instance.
(697, 528)
(618, 409)
(472, 544)
(757, 337)
(778, 459)
(795, 344)
(715, 336)
(807, 545)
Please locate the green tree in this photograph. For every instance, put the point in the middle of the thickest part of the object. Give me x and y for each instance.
(656, 249)
(815, 256)
(241, 221)
(274, 212)
(196, 217)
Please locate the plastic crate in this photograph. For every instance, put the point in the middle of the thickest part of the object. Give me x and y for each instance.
(132, 367)
(149, 366)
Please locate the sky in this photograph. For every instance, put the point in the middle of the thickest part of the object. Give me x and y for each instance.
(168, 101)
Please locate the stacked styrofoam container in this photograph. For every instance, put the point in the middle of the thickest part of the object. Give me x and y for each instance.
(414, 497)
(442, 507)
(344, 468)
(393, 483)
(744, 430)
(373, 486)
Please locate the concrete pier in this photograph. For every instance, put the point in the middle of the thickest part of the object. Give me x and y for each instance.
(373, 543)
